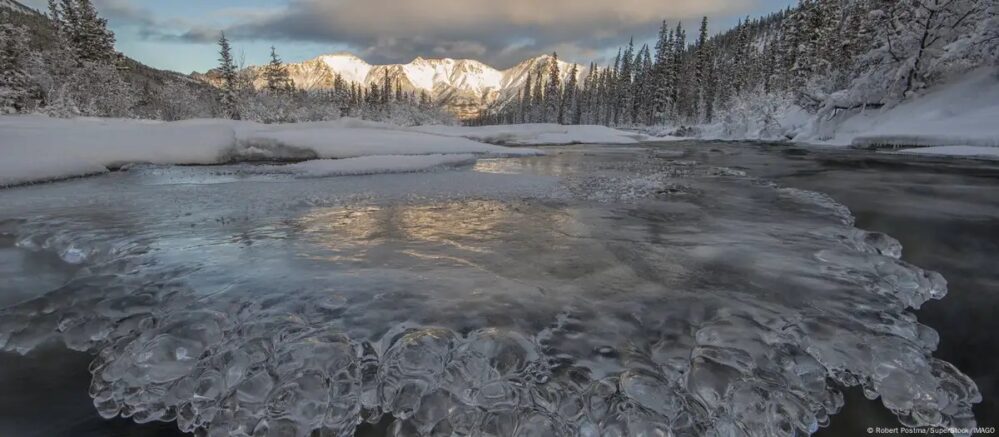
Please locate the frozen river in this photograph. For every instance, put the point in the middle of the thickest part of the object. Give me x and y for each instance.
(698, 288)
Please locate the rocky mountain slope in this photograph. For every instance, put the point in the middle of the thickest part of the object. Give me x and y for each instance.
(464, 86)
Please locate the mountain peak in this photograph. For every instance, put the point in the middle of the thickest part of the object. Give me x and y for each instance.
(466, 86)
(341, 55)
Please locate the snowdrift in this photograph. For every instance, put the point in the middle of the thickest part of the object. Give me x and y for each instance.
(964, 112)
(34, 148)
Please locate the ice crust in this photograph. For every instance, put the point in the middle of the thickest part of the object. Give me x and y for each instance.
(762, 321)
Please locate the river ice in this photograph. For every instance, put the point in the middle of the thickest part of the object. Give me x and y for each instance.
(593, 292)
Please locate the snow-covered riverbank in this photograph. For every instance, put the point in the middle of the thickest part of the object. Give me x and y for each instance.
(36, 149)
(959, 118)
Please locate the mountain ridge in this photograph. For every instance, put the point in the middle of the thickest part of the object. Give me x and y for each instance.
(467, 87)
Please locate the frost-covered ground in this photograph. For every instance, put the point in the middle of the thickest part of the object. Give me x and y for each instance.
(590, 292)
(36, 148)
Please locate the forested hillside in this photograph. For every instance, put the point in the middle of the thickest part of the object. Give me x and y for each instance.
(69, 67)
(817, 60)
(821, 57)
(64, 64)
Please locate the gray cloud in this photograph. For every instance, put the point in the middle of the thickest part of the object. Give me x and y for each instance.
(125, 12)
(499, 32)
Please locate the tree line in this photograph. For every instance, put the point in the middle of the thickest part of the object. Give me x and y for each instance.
(277, 99)
(823, 56)
(64, 64)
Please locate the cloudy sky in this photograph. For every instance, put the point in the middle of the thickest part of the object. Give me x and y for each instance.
(180, 34)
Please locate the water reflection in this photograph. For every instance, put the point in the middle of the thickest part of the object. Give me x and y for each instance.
(624, 307)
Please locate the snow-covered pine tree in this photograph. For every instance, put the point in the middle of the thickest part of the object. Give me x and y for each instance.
(16, 92)
(525, 101)
(640, 85)
(374, 96)
(386, 88)
(586, 97)
(229, 87)
(553, 92)
(276, 75)
(538, 97)
(614, 90)
(95, 42)
(569, 109)
(608, 95)
(661, 93)
(742, 58)
(701, 96)
(678, 70)
(625, 78)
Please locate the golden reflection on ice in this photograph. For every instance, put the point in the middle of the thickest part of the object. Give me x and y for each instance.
(462, 225)
(550, 165)
(345, 232)
(457, 233)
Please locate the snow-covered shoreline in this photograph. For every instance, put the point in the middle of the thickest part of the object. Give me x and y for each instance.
(38, 149)
(957, 118)
(960, 118)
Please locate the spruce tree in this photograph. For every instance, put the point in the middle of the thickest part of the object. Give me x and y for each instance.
(15, 85)
(701, 73)
(553, 92)
(525, 101)
(386, 88)
(538, 97)
(568, 112)
(614, 90)
(661, 94)
(677, 70)
(276, 75)
(624, 83)
(228, 89)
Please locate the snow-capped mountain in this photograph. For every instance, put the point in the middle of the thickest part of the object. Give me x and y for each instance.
(465, 86)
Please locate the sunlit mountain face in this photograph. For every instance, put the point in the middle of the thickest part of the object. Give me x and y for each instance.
(465, 86)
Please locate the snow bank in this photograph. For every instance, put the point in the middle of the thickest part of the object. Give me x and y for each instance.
(39, 148)
(354, 138)
(961, 112)
(536, 134)
(964, 112)
(34, 148)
